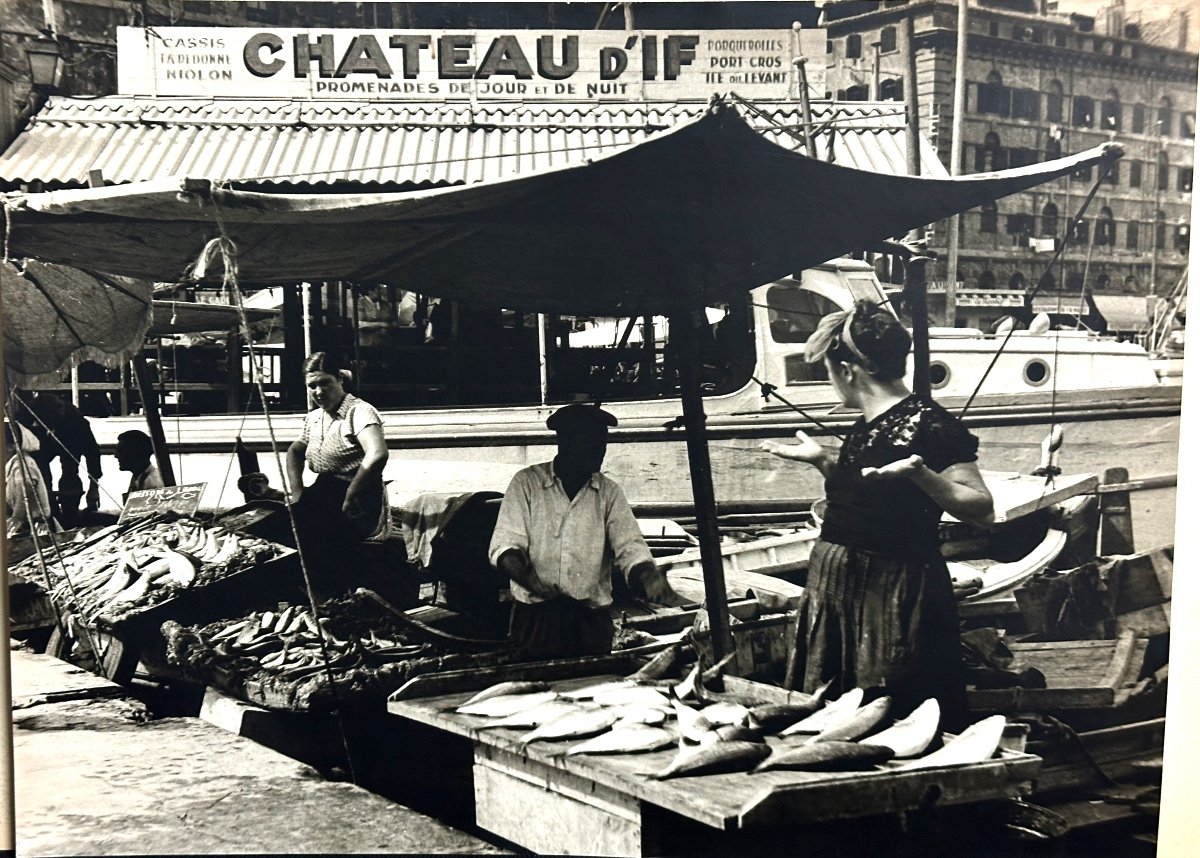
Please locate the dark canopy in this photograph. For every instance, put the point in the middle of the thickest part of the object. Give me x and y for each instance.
(693, 215)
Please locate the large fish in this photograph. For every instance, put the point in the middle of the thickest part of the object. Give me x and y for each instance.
(857, 724)
(717, 758)
(638, 714)
(692, 724)
(660, 665)
(536, 716)
(975, 744)
(776, 716)
(506, 704)
(626, 740)
(832, 713)
(505, 688)
(573, 725)
(634, 695)
(832, 756)
(911, 736)
(588, 692)
(731, 733)
(720, 714)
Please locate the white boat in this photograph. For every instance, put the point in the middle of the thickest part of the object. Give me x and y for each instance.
(1061, 377)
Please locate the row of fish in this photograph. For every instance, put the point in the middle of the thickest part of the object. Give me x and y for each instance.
(726, 732)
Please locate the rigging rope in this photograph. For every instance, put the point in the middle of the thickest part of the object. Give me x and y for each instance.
(226, 249)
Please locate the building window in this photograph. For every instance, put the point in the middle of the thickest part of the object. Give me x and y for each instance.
(1164, 170)
(989, 217)
(1019, 225)
(1025, 104)
(829, 46)
(1138, 124)
(1079, 234)
(1110, 112)
(1053, 148)
(263, 12)
(1135, 174)
(1187, 126)
(1160, 230)
(990, 156)
(1082, 175)
(860, 92)
(887, 40)
(994, 96)
(1112, 174)
(1103, 281)
(1164, 116)
(1106, 228)
(1131, 235)
(1017, 281)
(1183, 237)
(1049, 219)
(1060, 38)
(853, 47)
(1054, 102)
(1185, 179)
(987, 280)
(1130, 283)
(993, 28)
(1020, 156)
(891, 90)
(1083, 111)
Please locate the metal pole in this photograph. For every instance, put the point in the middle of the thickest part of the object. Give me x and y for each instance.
(543, 367)
(153, 418)
(960, 97)
(684, 332)
(8, 806)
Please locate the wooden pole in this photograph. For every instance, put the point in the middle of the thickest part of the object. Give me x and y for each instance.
(685, 333)
(1116, 516)
(918, 306)
(8, 806)
(153, 418)
(810, 139)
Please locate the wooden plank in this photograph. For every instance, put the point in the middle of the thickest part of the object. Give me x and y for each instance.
(799, 797)
(1015, 495)
(552, 812)
(1114, 749)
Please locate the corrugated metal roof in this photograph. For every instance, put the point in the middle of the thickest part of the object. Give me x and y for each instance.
(316, 143)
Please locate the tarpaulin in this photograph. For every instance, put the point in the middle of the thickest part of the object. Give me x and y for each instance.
(692, 215)
(52, 312)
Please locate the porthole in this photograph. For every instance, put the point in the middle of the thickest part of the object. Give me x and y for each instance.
(939, 375)
(1036, 372)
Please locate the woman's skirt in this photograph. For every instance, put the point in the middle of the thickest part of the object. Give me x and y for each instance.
(874, 621)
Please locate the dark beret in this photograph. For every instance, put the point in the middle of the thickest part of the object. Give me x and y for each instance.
(580, 416)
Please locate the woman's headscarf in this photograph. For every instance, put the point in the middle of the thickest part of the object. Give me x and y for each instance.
(867, 335)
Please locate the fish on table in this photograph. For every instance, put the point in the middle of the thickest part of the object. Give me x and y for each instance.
(632, 739)
(573, 725)
(535, 716)
(506, 704)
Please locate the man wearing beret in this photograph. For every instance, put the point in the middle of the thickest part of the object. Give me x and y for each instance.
(563, 527)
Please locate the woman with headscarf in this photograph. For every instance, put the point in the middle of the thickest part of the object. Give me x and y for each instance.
(880, 610)
(26, 499)
(342, 442)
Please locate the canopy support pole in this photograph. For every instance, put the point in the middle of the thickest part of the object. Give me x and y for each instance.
(8, 806)
(153, 417)
(685, 333)
(918, 306)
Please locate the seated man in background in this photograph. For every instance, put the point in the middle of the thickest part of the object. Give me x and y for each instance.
(562, 527)
(134, 451)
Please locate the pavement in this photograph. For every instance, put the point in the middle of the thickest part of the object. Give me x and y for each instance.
(96, 774)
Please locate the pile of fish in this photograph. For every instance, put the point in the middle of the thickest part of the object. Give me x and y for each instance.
(293, 643)
(722, 732)
(125, 568)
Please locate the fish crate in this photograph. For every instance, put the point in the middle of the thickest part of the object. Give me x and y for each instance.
(548, 801)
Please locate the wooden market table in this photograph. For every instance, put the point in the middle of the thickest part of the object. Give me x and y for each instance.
(544, 801)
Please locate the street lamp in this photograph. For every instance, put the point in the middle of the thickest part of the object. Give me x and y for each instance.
(45, 63)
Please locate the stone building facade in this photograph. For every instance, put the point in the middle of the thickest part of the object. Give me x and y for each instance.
(1040, 84)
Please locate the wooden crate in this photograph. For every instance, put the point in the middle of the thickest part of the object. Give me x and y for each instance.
(1079, 675)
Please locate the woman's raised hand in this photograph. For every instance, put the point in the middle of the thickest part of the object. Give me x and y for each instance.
(806, 450)
(903, 468)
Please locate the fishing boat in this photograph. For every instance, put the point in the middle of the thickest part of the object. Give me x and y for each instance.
(758, 385)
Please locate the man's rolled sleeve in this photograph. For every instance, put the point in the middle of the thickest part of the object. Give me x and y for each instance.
(512, 525)
(624, 536)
